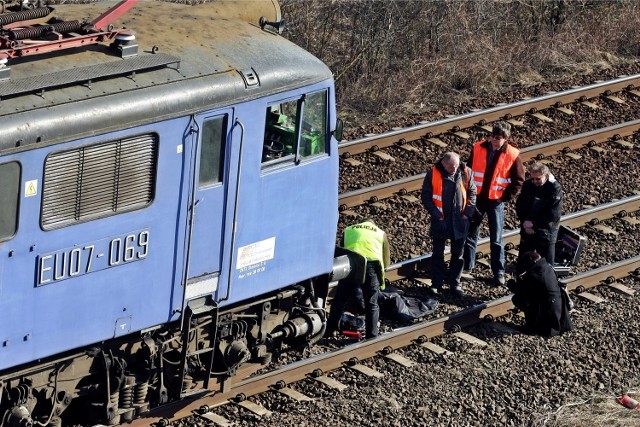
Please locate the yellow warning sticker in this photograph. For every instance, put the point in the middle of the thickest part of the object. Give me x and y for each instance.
(31, 188)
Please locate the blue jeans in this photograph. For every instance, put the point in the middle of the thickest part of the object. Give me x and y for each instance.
(438, 267)
(495, 214)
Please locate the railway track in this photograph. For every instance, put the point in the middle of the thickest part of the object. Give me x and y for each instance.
(591, 216)
(245, 384)
(457, 125)
(386, 345)
(564, 146)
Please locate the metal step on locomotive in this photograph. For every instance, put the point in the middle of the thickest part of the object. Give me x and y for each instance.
(168, 206)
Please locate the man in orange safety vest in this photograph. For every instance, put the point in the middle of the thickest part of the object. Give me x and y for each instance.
(449, 195)
(498, 174)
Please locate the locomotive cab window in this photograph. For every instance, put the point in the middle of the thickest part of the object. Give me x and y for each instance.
(296, 129)
(314, 125)
(212, 152)
(9, 196)
(99, 180)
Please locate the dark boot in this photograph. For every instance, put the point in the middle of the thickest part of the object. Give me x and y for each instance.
(436, 289)
(456, 291)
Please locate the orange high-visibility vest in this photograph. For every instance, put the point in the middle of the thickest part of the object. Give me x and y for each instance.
(501, 178)
(436, 184)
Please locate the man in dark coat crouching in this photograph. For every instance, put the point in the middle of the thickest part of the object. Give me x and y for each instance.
(538, 294)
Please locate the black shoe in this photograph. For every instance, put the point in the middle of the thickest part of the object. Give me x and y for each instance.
(456, 291)
(499, 280)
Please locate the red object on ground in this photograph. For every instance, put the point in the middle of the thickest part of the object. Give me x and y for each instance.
(352, 334)
(627, 402)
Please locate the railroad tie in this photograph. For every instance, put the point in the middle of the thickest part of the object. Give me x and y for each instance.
(294, 394)
(409, 198)
(619, 287)
(435, 348)
(542, 117)
(470, 339)
(485, 128)
(516, 123)
(624, 144)
(484, 262)
(513, 252)
(604, 229)
(216, 419)
(352, 162)
(366, 370)
(590, 104)
(400, 359)
(408, 147)
(591, 297)
(380, 205)
(384, 156)
(630, 220)
(348, 213)
(423, 280)
(615, 99)
(438, 142)
(254, 408)
(330, 382)
(462, 135)
(565, 110)
(573, 156)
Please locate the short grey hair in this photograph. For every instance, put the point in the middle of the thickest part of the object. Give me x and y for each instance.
(539, 168)
(501, 128)
(449, 156)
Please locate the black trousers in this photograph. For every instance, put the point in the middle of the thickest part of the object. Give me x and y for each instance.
(545, 248)
(370, 291)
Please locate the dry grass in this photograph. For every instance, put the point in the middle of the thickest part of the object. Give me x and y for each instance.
(412, 55)
(596, 411)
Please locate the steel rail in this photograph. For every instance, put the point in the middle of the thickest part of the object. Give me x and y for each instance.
(482, 117)
(414, 334)
(606, 274)
(407, 268)
(414, 183)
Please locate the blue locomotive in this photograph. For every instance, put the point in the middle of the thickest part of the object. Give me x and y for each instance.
(168, 203)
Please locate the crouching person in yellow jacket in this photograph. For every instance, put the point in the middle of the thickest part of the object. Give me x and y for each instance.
(368, 240)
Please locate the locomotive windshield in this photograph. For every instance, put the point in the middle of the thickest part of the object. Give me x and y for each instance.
(296, 123)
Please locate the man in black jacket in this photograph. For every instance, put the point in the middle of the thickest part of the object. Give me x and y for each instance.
(538, 294)
(539, 208)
